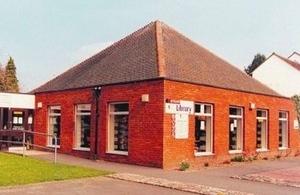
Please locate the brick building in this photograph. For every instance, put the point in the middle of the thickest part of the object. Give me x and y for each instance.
(156, 98)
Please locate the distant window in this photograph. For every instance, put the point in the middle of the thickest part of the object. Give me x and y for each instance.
(82, 125)
(235, 129)
(203, 128)
(283, 130)
(54, 124)
(261, 129)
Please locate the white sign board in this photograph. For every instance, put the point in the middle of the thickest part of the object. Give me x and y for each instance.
(181, 126)
(17, 100)
(179, 107)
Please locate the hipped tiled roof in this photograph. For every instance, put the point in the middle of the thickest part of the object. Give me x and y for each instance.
(156, 51)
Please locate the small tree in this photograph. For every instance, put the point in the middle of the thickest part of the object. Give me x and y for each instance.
(11, 83)
(257, 61)
(296, 99)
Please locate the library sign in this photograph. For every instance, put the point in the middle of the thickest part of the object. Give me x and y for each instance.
(180, 111)
(179, 107)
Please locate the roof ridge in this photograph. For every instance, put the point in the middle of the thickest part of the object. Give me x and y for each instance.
(161, 65)
(293, 54)
(290, 62)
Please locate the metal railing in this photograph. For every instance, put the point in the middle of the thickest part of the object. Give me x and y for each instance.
(25, 143)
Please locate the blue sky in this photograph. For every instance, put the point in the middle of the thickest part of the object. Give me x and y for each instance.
(47, 37)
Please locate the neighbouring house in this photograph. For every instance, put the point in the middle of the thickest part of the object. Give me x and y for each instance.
(280, 73)
(156, 98)
(16, 113)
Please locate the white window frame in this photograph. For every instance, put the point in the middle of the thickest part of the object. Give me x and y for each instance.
(238, 120)
(208, 138)
(262, 121)
(50, 129)
(284, 134)
(111, 128)
(78, 126)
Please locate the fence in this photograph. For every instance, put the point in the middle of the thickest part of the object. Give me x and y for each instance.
(24, 142)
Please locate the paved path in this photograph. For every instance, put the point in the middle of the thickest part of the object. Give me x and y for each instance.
(216, 180)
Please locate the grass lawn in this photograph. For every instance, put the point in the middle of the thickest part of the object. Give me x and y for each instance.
(16, 170)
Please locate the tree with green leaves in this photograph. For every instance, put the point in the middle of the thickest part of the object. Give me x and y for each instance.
(11, 83)
(2, 73)
(257, 61)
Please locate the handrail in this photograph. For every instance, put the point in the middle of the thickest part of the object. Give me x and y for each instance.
(24, 143)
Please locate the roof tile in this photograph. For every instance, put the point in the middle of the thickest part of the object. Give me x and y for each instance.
(153, 52)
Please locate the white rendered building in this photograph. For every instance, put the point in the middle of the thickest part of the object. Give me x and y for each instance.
(280, 74)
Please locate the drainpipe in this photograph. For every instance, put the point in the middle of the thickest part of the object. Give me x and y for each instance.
(96, 93)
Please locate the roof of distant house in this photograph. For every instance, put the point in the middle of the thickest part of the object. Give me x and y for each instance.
(295, 53)
(155, 51)
(288, 61)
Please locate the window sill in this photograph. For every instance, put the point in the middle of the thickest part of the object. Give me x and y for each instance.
(118, 153)
(235, 152)
(283, 148)
(262, 150)
(203, 154)
(82, 149)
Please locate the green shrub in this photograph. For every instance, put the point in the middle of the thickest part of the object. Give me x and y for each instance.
(238, 159)
(184, 165)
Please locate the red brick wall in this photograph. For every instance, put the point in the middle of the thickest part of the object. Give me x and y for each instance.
(150, 137)
(145, 122)
(67, 100)
(177, 150)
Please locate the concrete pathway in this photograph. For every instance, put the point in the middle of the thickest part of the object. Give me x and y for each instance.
(239, 179)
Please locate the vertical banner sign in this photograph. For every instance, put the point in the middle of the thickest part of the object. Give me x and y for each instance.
(181, 126)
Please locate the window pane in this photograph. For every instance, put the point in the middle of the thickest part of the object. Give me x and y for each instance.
(283, 130)
(203, 128)
(82, 128)
(207, 108)
(197, 108)
(121, 107)
(118, 127)
(282, 115)
(235, 129)
(121, 133)
(261, 129)
(54, 125)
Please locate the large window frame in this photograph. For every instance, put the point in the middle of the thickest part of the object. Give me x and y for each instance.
(82, 127)
(118, 129)
(236, 129)
(203, 129)
(54, 124)
(283, 137)
(262, 130)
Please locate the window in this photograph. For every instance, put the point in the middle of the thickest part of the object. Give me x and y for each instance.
(235, 129)
(203, 128)
(4, 118)
(118, 128)
(283, 130)
(82, 125)
(54, 124)
(261, 129)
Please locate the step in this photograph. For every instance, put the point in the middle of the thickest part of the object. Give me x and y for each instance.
(15, 148)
